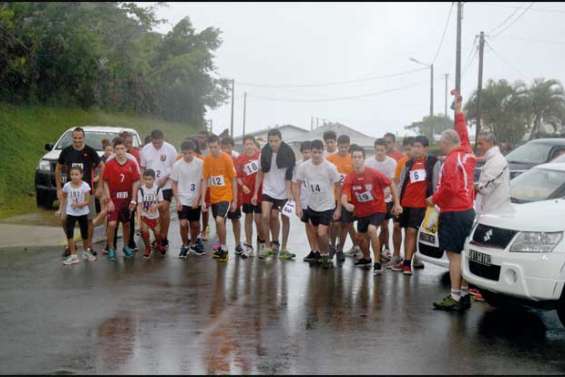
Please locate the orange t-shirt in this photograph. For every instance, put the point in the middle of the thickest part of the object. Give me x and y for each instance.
(344, 165)
(219, 173)
(399, 166)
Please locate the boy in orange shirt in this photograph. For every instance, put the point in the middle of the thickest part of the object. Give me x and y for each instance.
(219, 175)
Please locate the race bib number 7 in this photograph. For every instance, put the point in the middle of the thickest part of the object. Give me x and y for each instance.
(251, 167)
(418, 175)
(363, 197)
(216, 180)
(288, 208)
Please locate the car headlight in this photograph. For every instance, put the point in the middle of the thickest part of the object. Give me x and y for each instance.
(44, 165)
(536, 242)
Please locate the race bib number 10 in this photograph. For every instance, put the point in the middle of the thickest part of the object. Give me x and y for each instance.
(216, 180)
(363, 197)
(251, 167)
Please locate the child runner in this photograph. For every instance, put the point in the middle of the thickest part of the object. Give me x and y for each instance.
(149, 198)
(227, 144)
(75, 208)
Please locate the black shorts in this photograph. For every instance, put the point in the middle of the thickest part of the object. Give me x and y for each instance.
(70, 226)
(250, 208)
(346, 216)
(320, 218)
(167, 195)
(454, 228)
(412, 217)
(220, 209)
(189, 213)
(375, 219)
(389, 214)
(235, 215)
(278, 204)
(305, 216)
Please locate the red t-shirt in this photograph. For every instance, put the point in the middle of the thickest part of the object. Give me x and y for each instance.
(247, 168)
(366, 191)
(415, 191)
(121, 178)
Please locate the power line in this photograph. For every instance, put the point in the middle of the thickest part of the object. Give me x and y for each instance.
(514, 21)
(532, 40)
(443, 34)
(304, 100)
(471, 56)
(537, 9)
(368, 78)
(491, 48)
(505, 20)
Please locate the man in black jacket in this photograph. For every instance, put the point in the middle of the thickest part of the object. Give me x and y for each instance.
(275, 174)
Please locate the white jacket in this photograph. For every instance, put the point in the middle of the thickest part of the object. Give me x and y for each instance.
(494, 182)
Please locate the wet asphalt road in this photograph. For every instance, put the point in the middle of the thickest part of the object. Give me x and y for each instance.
(251, 316)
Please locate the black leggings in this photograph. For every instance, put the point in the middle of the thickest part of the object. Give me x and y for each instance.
(70, 226)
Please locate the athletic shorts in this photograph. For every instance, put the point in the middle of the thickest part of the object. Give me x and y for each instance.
(167, 195)
(454, 228)
(305, 215)
(220, 209)
(250, 208)
(235, 215)
(346, 216)
(278, 204)
(363, 222)
(121, 211)
(320, 218)
(189, 213)
(412, 217)
(389, 214)
(151, 223)
(70, 222)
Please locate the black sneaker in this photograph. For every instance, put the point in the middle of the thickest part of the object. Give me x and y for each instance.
(311, 257)
(238, 250)
(67, 252)
(363, 263)
(326, 261)
(332, 251)
(222, 255)
(183, 251)
(465, 302)
(340, 256)
(92, 251)
(377, 268)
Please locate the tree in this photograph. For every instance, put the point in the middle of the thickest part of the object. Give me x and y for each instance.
(547, 104)
(431, 125)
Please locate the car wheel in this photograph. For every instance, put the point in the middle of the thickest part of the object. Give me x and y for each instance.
(43, 200)
(561, 311)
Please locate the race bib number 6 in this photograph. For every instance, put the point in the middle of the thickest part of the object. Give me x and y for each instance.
(216, 180)
(363, 197)
(418, 175)
(251, 167)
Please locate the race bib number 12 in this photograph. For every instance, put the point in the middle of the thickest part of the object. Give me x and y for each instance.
(217, 180)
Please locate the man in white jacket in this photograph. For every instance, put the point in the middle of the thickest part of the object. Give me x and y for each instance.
(493, 187)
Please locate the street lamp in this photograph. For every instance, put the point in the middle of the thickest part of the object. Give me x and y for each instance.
(431, 83)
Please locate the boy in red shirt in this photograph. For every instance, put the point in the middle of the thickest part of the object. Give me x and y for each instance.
(121, 181)
(366, 188)
(247, 166)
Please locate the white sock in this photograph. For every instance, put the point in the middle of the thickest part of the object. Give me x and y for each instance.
(464, 291)
(456, 294)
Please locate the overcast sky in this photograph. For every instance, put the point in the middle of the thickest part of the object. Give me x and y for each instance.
(320, 43)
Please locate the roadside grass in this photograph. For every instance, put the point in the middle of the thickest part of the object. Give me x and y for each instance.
(24, 130)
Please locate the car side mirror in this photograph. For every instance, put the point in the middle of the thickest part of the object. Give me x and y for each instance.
(49, 147)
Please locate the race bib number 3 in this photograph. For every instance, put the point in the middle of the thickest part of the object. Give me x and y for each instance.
(251, 167)
(288, 208)
(363, 197)
(216, 180)
(418, 175)
(122, 195)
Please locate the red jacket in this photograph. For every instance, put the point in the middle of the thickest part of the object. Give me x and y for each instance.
(455, 192)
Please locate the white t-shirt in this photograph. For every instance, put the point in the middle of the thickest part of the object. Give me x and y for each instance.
(303, 191)
(147, 197)
(387, 167)
(274, 182)
(161, 160)
(320, 180)
(188, 176)
(76, 195)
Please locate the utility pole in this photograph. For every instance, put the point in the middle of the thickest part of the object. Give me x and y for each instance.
(232, 99)
(317, 122)
(446, 91)
(480, 85)
(431, 90)
(244, 110)
(458, 47)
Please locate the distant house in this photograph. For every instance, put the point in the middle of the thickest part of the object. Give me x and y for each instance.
(288, 131)
(359, 138)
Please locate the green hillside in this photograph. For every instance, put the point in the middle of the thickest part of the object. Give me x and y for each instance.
(24, 130)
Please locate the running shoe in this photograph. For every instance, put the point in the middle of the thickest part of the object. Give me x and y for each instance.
(222, 255)
(327, 262)
(363, 263)
(476, 294)
(92, 251)
(398, 267)
(340, 257)
(332, 251)
(217, 251)
(88, 255)
(275, 247)
(147, 253)
(238, 250)
(285, 254)
(311, 257)
(351, 252)
(111, 255)
(407, 269)
(394, 261)
(67, 252)
(247, 250)
(133, 246)
(465, 302)
(377, 268)
(417, 264)
(197, 249)
(448, 304)
(386, 255)
(183, 252)
(71, 259)
(165, 243)
(128, 253)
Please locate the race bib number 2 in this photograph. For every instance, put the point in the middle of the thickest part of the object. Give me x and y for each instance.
(363, 197)
(251, 168)
(216, 180)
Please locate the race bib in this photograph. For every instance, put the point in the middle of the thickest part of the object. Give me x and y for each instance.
(157, 173)
(78, 165)
(341, 178)
(251, 167)
(122, 195)
(316, 188)
(216, 180)
(365, 196)
(192, 187)
(288, 208)
(418, 175)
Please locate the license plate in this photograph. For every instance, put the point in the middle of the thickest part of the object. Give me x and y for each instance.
(430, 238)
(478, 257)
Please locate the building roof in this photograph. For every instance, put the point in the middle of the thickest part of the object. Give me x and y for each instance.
(356, 137)
(281, 128)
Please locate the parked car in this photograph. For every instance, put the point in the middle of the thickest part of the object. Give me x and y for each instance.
(534, 153)
(543, 182)
(517, 256)
(45, 188)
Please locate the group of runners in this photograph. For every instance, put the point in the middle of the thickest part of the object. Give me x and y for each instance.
(332, 187)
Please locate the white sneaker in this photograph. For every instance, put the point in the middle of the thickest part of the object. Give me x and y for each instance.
(247, 250)
(71, 259)
(386, 253)
(351, 252)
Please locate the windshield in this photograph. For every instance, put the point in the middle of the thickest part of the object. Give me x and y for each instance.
(559, 159)
(93, 139)
(537, 184)
(535, 153)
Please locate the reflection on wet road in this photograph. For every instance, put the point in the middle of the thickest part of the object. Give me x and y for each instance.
(251, 316)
